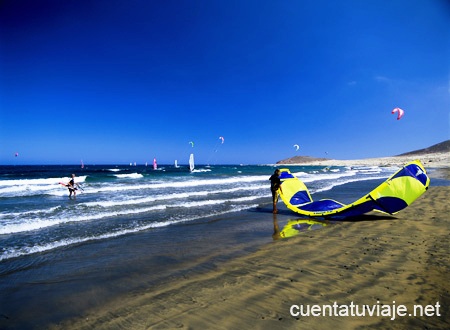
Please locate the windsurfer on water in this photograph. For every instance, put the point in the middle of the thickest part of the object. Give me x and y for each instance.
(72, 186)
(275, 185)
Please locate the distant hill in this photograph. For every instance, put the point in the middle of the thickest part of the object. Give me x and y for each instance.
(437, 148)
(300, 160)
(442, 147)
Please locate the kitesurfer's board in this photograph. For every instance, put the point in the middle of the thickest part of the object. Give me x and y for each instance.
(63, 184)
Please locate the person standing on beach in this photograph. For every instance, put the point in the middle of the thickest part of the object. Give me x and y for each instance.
(72, 186)
(275, 185)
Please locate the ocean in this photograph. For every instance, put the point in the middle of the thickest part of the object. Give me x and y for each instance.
(130, 227)
(38, 216)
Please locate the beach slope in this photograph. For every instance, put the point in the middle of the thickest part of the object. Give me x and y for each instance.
(381, 261)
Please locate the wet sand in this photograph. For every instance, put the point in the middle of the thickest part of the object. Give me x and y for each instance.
(375, 261)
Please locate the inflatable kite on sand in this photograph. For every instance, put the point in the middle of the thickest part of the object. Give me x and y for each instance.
(393, 195)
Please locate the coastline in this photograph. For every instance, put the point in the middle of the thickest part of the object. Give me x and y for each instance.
(433, 160)
(382, 259)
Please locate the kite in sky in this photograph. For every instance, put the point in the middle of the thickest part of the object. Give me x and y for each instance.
(296, 146)
(400, 113)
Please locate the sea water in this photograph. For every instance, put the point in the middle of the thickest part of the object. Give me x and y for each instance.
(131, 226)
(37, 215)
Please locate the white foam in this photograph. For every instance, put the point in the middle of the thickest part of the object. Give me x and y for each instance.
(130, 176)
(17, 252)
(201, 170)
(28, 213)
(312, 177)
(29, 187)
(171, 196)
(34, 224)
(13, 253)
(184, 183)
(24, 225)
(367, 169)
(40, 182)
(340, 183)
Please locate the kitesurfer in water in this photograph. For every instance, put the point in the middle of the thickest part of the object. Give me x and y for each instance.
(275, 185)
(72, 186)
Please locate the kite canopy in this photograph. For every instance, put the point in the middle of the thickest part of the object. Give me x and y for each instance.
(393, 195)
(400, 113)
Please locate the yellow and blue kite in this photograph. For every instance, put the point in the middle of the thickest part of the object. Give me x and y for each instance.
(393, 195)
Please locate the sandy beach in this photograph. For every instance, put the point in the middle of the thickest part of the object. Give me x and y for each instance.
(435, 160)
(381, 261)
(144, 145)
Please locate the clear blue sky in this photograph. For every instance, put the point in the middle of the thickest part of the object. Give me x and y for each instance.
(114, 82)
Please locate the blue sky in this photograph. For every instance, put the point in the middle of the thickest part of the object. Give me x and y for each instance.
(114, 82)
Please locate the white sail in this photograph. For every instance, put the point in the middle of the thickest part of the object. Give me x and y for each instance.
(191, 162)
(176, 163)
(155, 165)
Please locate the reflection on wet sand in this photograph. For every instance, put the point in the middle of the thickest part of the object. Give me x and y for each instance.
(296, 226)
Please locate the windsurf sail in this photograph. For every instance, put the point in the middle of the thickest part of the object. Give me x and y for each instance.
(176, 163)
(392, 196)
(191, 162)
(155, 165)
